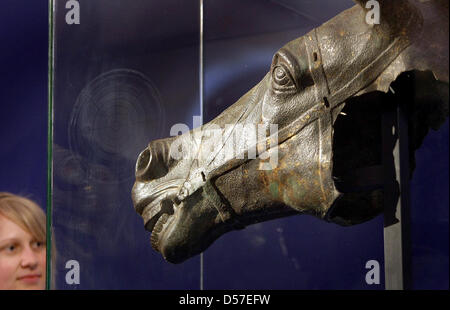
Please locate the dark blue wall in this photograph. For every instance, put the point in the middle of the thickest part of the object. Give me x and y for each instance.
(23, 98)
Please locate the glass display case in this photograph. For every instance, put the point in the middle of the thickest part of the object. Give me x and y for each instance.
(123, 73)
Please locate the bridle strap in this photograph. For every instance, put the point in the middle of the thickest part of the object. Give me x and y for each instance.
(326, 102)
(223, 207)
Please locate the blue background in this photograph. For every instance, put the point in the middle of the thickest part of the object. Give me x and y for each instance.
(23, 98)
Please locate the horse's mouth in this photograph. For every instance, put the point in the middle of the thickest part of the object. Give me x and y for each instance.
(162, 222)
(157, 207)
(157, 215)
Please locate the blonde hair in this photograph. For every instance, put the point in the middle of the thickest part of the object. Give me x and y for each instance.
(30, 217)
(25, 213)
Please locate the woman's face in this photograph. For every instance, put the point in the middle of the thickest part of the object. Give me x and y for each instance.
(22, 258)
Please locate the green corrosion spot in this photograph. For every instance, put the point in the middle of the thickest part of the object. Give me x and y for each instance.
(274, 189)
(297, 191)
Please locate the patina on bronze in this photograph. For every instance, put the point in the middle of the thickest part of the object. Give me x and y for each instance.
(326, 167)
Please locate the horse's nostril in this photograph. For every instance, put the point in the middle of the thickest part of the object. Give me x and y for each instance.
(143, 162)
(150, 165)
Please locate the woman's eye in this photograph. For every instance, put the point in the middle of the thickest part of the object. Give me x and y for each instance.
(38, 244)
(11, 248)
(282, 79)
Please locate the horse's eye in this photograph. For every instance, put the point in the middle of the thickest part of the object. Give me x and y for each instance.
(280, 76)
(282, 79)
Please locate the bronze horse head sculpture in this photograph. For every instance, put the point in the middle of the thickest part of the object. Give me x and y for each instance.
(192, 188)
